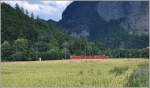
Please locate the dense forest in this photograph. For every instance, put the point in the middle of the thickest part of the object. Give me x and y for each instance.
(26, 37)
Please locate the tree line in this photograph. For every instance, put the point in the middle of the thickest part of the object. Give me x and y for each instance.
(22, 50)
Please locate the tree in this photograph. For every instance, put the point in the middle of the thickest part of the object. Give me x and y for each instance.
(32, 15)
(17, 7)
(65, 46)
(37, 17)
(21, 54)
(90, 48)
(7, 51)
(22, 10)
(26, 12)
(42, 46)
(21, 44)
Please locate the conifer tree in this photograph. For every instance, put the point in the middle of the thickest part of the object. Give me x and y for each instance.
(26, 12)
(32, 15)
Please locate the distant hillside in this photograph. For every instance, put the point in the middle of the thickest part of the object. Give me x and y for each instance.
(16, 24)
(118, 24)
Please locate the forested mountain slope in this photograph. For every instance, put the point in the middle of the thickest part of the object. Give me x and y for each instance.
(24, 36)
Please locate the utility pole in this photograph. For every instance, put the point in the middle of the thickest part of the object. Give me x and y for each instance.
(36, 49)
(16, 49)
(85, 48)
(65, 53)
(36, 53)
(65, 47)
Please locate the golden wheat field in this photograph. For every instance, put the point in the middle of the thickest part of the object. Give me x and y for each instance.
(75, 73)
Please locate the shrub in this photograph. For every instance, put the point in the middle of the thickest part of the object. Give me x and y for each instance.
(140, 77)
(20, 56)
(118, 70)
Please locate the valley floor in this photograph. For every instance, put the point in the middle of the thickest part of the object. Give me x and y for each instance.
(75, 73)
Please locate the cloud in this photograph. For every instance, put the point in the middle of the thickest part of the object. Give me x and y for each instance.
(44, 9)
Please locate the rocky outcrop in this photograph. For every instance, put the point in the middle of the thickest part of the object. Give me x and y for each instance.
(106, 20)
(132, 15)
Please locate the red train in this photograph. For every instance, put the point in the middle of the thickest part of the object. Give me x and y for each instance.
(89, 57)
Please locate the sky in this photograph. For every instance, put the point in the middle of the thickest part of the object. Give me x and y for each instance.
(44, 9)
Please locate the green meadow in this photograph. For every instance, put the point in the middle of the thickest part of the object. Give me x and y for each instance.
(76, 73)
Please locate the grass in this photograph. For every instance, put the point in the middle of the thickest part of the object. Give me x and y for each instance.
(140, 76)
(73, 73)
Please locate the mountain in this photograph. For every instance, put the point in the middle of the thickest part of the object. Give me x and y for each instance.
(118, 24)
(27, 38)
(17, 24)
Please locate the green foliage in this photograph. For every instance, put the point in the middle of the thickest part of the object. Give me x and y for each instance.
(127, 53)
(26, 12)
(140, 77)
(21, 48)
(41, 46)
(32, 15)
(7, 51)
(119, 70)
(21, 44)
(33, 38)
(20, 56)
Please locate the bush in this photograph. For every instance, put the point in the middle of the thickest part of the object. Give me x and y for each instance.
(52, 55)
(140, 77)
(20, 56)
(119, 70)
(6, 51)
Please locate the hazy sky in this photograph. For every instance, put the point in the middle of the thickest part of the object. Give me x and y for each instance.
(44, 9)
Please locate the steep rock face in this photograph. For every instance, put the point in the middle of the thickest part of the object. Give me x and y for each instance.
(81, 16)
(135, 14)
(113, 22)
